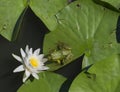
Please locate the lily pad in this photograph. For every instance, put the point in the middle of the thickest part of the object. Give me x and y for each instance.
(107, 77)
(48, 82)
(47, 9)
(114, 3)
(87, 28)
(12, 10)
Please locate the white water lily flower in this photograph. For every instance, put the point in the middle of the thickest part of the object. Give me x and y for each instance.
(32, 63)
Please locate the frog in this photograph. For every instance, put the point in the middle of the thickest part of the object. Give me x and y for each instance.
(61, 54)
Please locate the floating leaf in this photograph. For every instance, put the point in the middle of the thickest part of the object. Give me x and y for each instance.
(87, 28)
(12, 10)
(107, 3)
(46, 10)
(107, 77)
(48, 82)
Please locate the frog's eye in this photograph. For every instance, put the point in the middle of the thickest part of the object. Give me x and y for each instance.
(62, 45)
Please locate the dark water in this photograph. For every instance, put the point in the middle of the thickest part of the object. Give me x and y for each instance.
(32, 33)
(118, 31)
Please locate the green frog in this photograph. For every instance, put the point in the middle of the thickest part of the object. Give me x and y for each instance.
(61, 54)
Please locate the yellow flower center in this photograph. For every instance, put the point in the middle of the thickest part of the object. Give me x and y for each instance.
(34, 62)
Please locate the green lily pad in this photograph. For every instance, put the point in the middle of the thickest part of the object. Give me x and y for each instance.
(9, 14)
(114, 3)
(104, 76)
(12, 10)
(47, 9)
(48, 82)
(87, 28)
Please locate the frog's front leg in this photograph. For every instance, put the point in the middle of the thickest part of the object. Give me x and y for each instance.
(69, 57)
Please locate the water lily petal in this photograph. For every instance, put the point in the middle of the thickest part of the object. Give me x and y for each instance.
(35, 75)
(27, 49)
(30, 51)
(17, 58)
(41, 56)
(27, 67)
(44, 60)
(43, 68)
(19, 69)
(22, 53)
(26, 75)
(37, 51)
